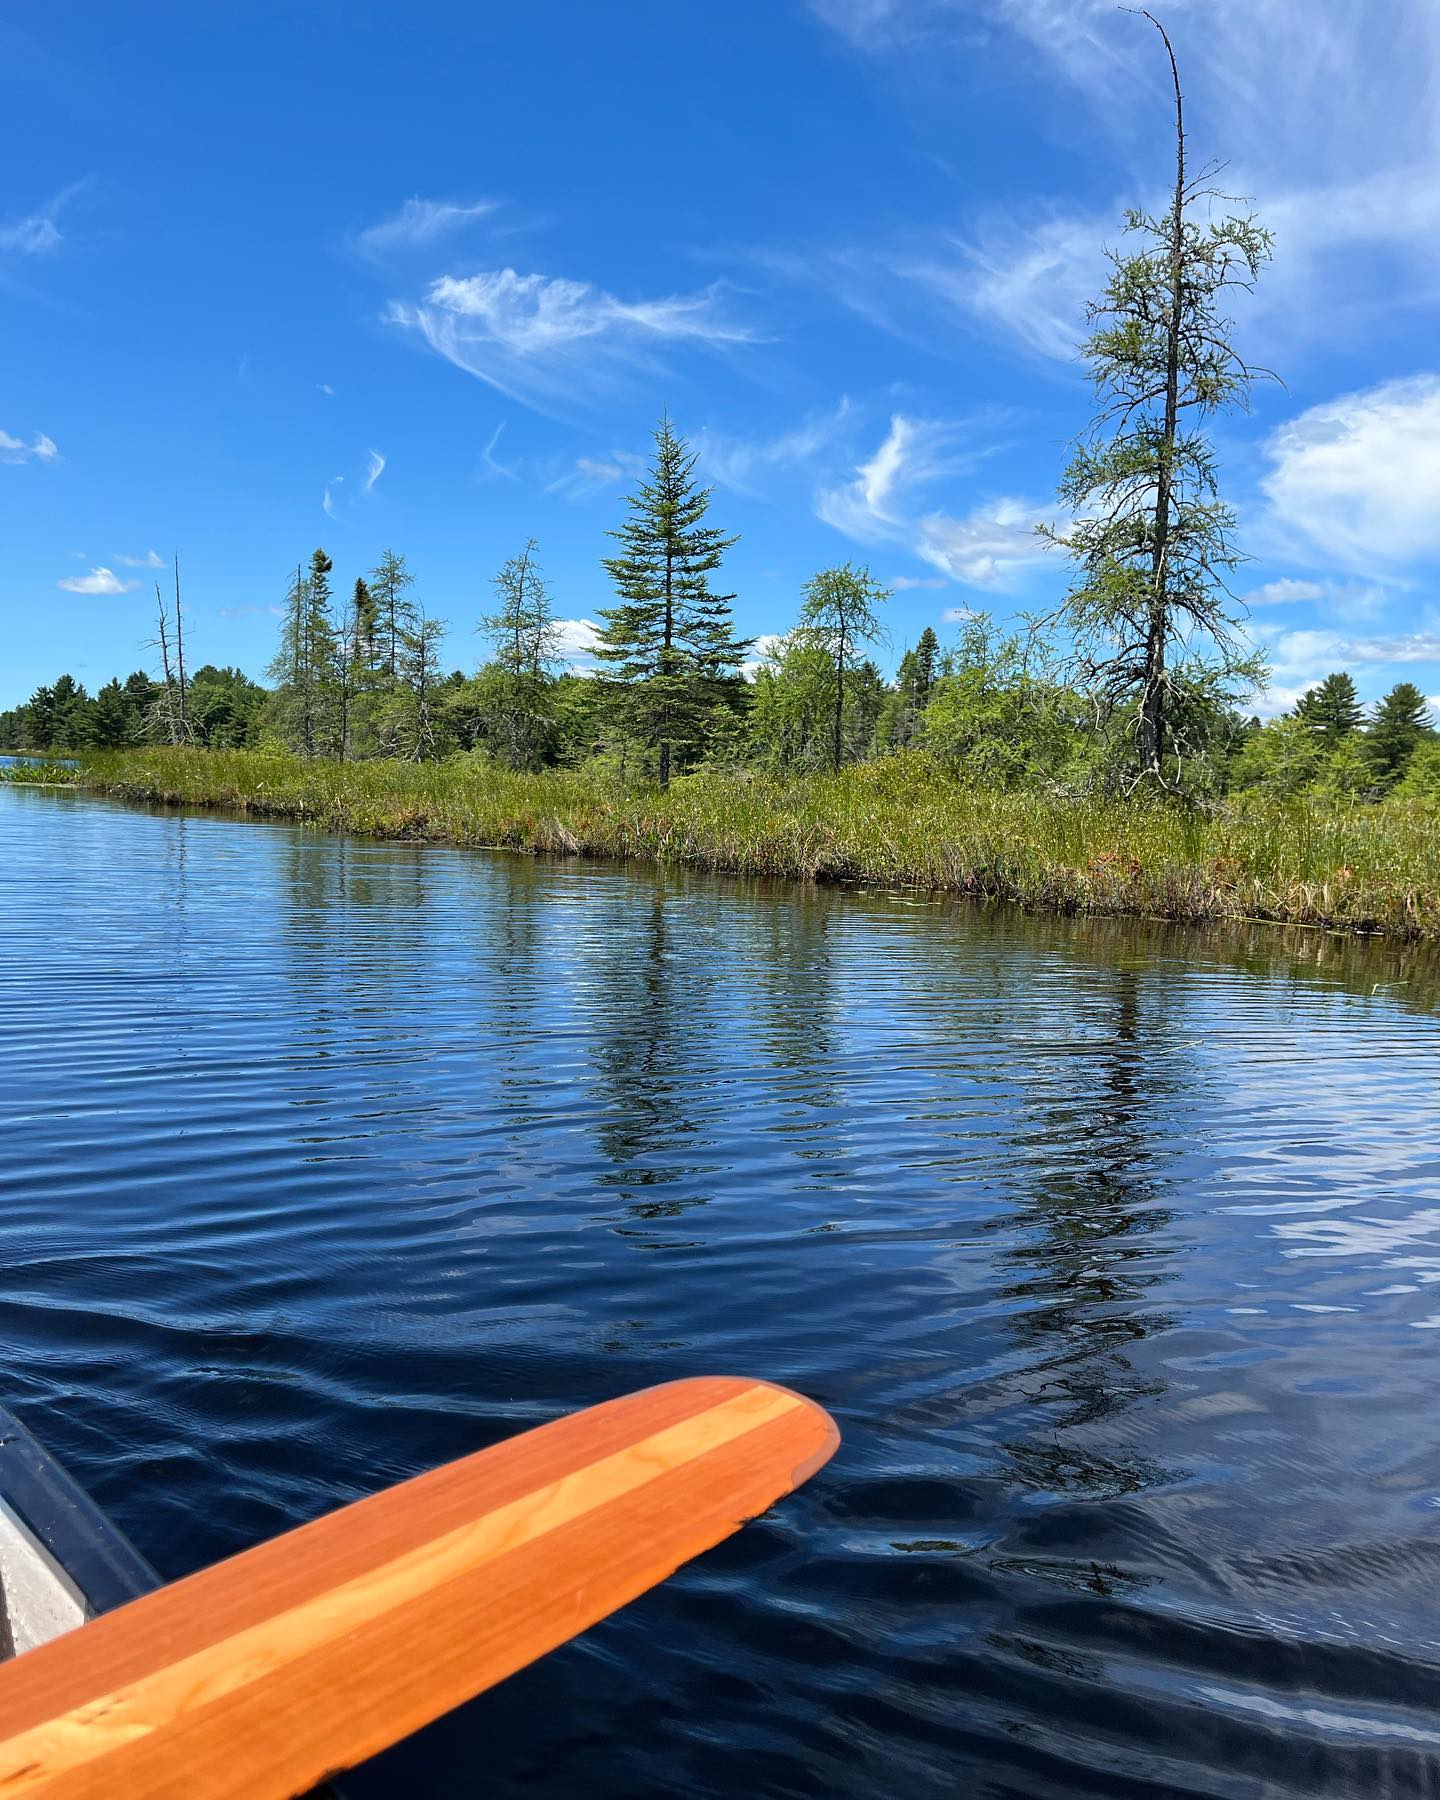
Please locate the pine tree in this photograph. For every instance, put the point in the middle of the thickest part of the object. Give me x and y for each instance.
(390, 582)
(1151, 538)
(670, 647)
(321, 726)
(1332, 710)
(837, 616)
(1400, 724)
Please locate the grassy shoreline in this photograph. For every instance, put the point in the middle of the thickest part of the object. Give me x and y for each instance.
(894, 823)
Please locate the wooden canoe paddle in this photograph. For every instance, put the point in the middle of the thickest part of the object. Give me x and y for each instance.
(260, 1676)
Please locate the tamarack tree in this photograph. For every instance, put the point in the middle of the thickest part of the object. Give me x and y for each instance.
(1156, 633)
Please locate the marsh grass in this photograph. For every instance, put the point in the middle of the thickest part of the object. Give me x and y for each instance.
(899, 822)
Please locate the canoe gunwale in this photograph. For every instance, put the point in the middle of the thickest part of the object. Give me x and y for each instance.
(100, 1562)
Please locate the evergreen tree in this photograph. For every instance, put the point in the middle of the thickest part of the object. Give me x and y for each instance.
(416, 721)
(358, 669)
(670, 647)
(510, 702)
(1151, 539)
(837, 616)
(914, 685)
(1400, 724)
(111, 719)
(1332, 710)
(390, 584)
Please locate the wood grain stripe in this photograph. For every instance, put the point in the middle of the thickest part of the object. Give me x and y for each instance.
(113, 1721)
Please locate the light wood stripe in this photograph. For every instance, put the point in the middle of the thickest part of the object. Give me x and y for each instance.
(110, 1722)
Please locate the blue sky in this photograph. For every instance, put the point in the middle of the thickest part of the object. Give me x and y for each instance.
(423, 275)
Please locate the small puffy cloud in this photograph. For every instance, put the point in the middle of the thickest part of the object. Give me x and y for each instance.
(1358, 478)
(420, 224)
(765, 646)
(326, 389)
(1284, 593)
(575, 642)
(15, 450)
(150, 560)
(98, 581)
(540, 338)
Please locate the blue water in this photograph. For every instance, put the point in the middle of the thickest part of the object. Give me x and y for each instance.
(1115, 1251)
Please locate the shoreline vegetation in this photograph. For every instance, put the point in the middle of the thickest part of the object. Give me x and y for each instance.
(1100, 758)
(901, 822)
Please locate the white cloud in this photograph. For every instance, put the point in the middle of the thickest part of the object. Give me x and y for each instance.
(988, 547)
(1343, 156)
(421, 223)
(748, 465)
(325, 388)
(1284, 593)
(871, 507)
(592, 474)
(98, 581)
(491, 461)
(15, 450)
(1358, 478)
(37, 233)
(539, 338)
(575, 642)
(327, 499)
(903, 583)
(374, 471)
(150, 560)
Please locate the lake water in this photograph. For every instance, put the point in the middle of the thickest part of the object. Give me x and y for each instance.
(1115, 1251)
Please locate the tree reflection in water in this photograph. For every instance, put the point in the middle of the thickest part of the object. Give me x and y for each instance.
(1087, 1263)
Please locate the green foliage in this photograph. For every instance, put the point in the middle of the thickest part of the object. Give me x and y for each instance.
(838, 615)
(1332, 710)
(668, 650)
(990, 719)
(1149, 535)
(1400, 724)
(507, 709)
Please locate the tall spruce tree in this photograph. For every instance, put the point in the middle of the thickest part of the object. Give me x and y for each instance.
(1151, 538)
(1400, 724)
(1332, 709)
(669, 649)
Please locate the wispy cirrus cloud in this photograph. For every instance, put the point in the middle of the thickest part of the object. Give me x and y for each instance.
(990, 546)
(1342, 156)
(37, 233)
(421, 225)
(594, 474)
(332, 501)
(98, 581)
(542, 339)
(150, 560)
(40, 448)
(750, 465)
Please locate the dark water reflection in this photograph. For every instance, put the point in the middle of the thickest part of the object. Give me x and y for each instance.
(1115, 1250)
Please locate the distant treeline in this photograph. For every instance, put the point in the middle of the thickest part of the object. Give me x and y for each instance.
(1140, 680)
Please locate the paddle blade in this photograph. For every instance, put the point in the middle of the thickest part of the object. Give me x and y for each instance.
(263, 1674)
